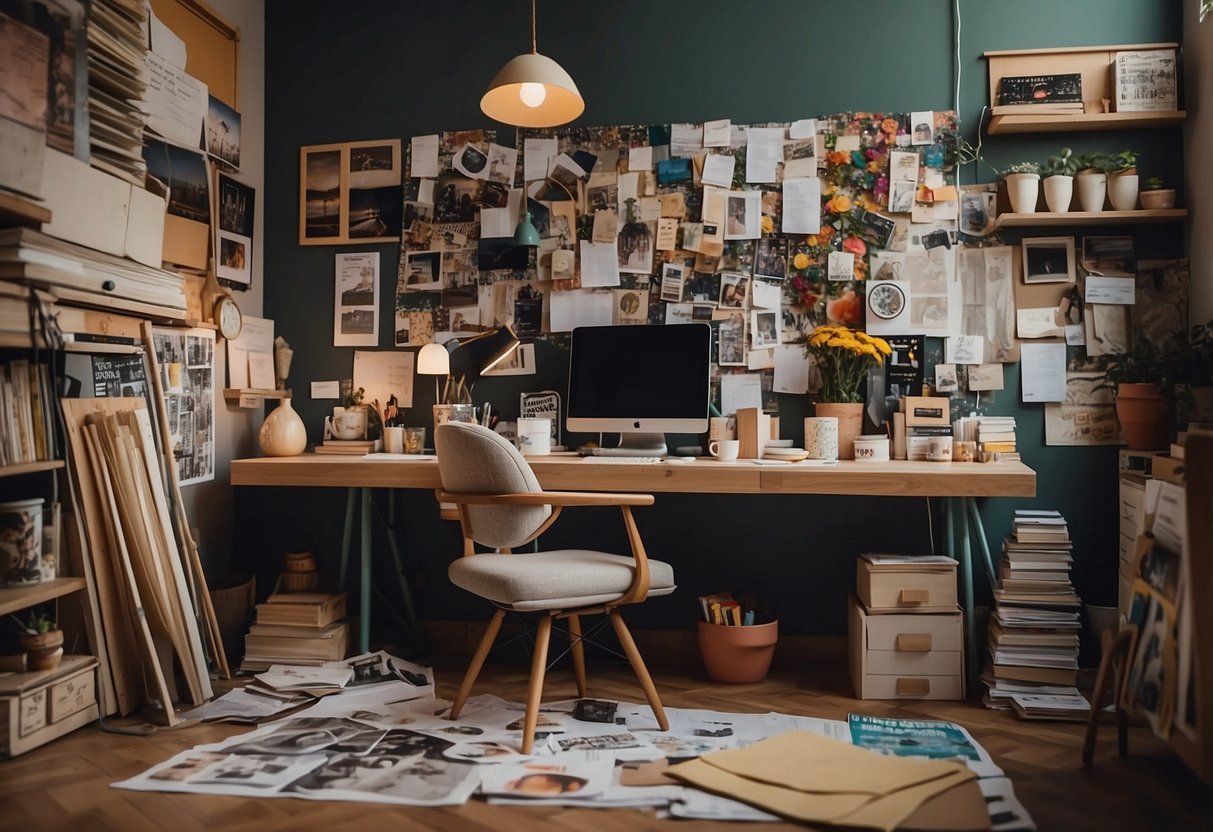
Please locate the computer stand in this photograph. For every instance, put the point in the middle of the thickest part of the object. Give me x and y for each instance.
(636, 444)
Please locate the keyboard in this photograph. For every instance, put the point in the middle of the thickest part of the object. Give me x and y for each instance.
(624, 460)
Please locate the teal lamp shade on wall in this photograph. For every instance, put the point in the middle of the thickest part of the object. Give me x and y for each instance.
(532, 90)
(526, 234)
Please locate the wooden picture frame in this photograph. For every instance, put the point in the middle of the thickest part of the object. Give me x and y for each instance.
(350, 193)
(1048, 260)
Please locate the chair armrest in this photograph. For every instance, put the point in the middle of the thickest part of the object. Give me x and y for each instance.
(549, 498)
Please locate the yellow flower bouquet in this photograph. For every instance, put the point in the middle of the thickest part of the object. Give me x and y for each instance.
(844, 357)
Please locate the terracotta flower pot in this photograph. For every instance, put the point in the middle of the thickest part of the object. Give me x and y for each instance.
(44, 650)
(737, 654)
(850, 423)
(1157, 198)
(1142, 411)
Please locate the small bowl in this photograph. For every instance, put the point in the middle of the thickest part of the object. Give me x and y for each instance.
(779, 443)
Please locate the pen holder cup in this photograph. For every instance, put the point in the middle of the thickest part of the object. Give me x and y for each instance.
(737, 654)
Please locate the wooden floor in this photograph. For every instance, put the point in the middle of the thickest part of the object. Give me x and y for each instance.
(65, 785)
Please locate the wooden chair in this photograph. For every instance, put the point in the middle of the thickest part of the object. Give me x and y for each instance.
(502, 506)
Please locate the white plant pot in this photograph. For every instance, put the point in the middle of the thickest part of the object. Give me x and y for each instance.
(1023, 189)
(1092, 188)
(1059, 190)
(1122, 191)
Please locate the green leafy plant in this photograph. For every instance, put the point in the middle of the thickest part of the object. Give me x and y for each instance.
(1022, 167)
(1100, 162)
(1147, 363)
(1064, 164)
(1199, 355)
(354, 398)
(1123, 161)
(1154, 183)
(38, 624)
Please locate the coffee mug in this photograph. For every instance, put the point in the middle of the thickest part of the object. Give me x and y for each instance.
(346, 423)
(393, 440)
(939, 449)
(725, 450)
(534, 436)
(821, 437)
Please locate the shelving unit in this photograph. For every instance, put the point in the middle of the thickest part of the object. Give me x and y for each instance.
(251, 397)
(1046, 219)
(30, 468)
(16, 598)
(1094, 63)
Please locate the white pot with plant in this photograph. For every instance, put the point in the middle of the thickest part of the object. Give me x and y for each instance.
(1122, 181)
(1023, 186)
(1092, 181)
(1157, 195)
(1059, 180)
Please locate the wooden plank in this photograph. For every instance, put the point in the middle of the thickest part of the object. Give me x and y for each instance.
(15, 210)
(1045, 219)
(16, 598)
(116, 642)
(1060, 50)
(30, 468)
(1029, 122)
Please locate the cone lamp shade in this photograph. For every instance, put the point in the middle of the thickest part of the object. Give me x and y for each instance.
(532, 90)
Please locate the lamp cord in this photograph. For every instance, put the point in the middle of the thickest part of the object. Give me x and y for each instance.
(534, 48)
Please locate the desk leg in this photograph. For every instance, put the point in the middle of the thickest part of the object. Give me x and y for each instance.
(972, 657)
(364, 614)
(406, 599)
(351, 505)
(983, 545)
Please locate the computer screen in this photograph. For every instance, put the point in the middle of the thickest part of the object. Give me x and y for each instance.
(640, 382)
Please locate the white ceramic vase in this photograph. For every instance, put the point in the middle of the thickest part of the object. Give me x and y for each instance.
(1023, 189)
(1092, 188)
(283, 432)
(1059, 191)
(1122, 191)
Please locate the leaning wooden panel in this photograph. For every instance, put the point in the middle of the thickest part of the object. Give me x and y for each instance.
(112, 599)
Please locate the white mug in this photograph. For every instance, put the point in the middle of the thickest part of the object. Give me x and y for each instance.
(346, 423)
(939, 449)
(821, 437)
(725, 450)
(534, 436)
(393, 440)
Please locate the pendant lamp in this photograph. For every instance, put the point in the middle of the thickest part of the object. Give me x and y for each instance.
(532, 90)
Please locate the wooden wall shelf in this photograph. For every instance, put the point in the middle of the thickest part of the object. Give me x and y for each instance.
(16, 598)
(1046, 219)
(1060, 123)
(30, 467)
(252, 397)
(15, 210)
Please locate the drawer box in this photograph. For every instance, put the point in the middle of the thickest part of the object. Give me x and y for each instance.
(1132, 509)
(39, 706)
(906, 656)
(906, 586)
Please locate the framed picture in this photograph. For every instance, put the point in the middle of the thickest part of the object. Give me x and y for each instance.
(1048, 260)
(350, 193)
(1109, 256)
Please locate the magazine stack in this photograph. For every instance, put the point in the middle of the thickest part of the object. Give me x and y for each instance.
(1033, 631)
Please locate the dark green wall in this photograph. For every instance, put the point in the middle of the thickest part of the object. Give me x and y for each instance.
(370, 70)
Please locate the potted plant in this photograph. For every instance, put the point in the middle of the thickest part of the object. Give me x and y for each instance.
(1157, 195)
(42, 642)
(1023, 186)
(1059, 180)
(1142, 381)
(843, 357)
(1092, 180)
(1122, 181)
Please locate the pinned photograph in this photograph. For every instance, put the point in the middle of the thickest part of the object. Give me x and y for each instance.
(901, 196)
(1109, 256)
(764, 330)
(1048, 260)
(923, 127)
(733, 290)
(743, 216)
(423, 270)
(730, 339)
(841, 265)
(945, 378)
(223, 132)
(977, 210)
(635, 246)
(184, 172)
(472, 162)
(235, 232)
(672, 276)
(503, 164)
(456, 198)
(770, 258)
(356, 307)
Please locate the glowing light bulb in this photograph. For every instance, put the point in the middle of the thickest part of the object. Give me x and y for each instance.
(532, 94)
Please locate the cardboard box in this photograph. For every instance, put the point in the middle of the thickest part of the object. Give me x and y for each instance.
(905, 656)
(91, 208)
(901, 587)
(753, 432)
(926, 410)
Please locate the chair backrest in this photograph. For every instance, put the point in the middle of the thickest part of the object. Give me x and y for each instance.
(475, 460)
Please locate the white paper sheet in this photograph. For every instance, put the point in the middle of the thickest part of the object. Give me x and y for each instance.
(764, 152)
(718, 170)
(717, 133)
(326, 389)
(1115, 290)
(580, 308)
(599, 264)
(764, 295)
(1043, 372)
(685, 140)
(791, 369)
(423, 157)
(965, 349)
(739, 390)
(175, 102)
(165, 42)
(802, 205)
(537, 156)
(501, 222)
(382, 374)
(802, 128)
(261, 370)
(640, 158)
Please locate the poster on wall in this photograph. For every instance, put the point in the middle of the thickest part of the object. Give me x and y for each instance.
(356, 300)
(234, 232)
(187, 368)
(350, 193)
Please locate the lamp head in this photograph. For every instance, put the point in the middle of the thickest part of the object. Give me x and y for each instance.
(473, 357)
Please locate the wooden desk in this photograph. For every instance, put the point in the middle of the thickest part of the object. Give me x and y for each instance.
(958, 483)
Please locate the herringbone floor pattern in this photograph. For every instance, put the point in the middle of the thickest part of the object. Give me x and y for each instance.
(65, 785)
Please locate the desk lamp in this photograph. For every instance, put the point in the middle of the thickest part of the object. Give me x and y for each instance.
(434, 360)
(471, 358)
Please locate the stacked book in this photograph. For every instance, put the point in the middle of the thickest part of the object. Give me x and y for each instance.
(300, 628)
(357, 447)
(996, 438)
(27, 424)
(1033, 631)
(117, 50)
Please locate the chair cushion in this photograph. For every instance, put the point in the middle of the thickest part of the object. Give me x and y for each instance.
(560, 579)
